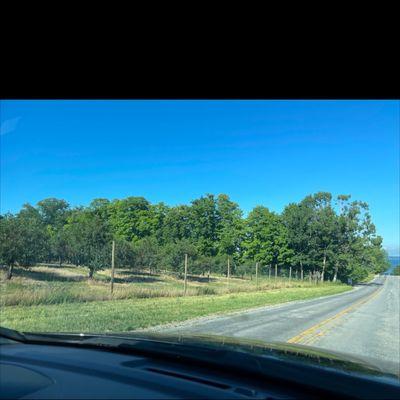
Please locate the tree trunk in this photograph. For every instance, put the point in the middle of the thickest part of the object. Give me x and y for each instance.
(10, 271)
(290, 273)
(269, 273)
(323, 268)
(301, 271)
(60, 261)
(335, 275)
(276, 271)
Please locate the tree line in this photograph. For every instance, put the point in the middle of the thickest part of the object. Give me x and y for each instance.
(331, 237)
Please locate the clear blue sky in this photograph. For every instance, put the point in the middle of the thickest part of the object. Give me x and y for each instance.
(258, 152)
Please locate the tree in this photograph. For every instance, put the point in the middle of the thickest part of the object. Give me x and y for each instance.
(89, 239)
(11, 242)
(266, 238)
(176, 224)
(337, 239)
(230, 227)
(147, 253)
(174, 255)
(130, 218)
(124, 253)
(357, 249)
(203, 223)
(322, 227)
(54, 213)
(297, 219)
(24, 239)
(35, 238)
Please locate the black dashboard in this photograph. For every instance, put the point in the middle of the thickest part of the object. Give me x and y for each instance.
(53, 371)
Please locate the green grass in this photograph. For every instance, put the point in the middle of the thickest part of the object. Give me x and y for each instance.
(55, 285)
(127, 315)
(54, 298)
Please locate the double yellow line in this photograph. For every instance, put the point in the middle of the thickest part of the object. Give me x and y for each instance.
(312, 333)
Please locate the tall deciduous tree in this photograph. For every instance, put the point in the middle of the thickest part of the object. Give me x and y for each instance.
(266, 238)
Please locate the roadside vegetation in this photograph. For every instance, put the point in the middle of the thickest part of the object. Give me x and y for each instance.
(396, 270)
(55, 260)
(323, 237)
(69, 284)
(135, 313)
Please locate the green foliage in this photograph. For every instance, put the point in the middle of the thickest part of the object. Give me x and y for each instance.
(335, 237)
(89, 240)
(147, 254)
(266, 238)
(174, 255)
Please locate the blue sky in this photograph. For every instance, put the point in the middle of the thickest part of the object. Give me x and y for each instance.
(258, 152)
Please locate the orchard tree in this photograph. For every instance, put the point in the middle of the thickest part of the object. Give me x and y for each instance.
(11, 242)
(89, 239)
(147, 253)
(174, 255)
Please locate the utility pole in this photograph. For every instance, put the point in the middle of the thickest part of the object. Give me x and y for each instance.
(112, 265)
(186, 268)
(290, 273)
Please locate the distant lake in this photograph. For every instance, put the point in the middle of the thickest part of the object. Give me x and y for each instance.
(394, 261)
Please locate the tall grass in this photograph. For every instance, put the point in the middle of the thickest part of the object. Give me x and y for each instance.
(55, 285)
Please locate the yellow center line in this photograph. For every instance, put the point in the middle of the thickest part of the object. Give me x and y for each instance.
(313, 330)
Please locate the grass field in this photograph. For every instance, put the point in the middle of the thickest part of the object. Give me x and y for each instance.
(63, 299)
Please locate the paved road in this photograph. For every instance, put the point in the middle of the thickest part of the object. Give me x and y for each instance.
(362, 322)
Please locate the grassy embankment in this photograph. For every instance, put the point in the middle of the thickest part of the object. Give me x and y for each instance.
(63, 299)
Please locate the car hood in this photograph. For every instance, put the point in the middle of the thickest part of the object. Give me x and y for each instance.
(285, 350)
(295, 353)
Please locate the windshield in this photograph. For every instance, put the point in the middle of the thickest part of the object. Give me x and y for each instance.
(276, 221)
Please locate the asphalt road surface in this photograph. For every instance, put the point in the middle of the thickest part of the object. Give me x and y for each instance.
(363, 322)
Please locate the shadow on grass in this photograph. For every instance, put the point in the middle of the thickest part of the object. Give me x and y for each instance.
(202, 279)
(132, 279)
(31, 273)
(128, 271)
